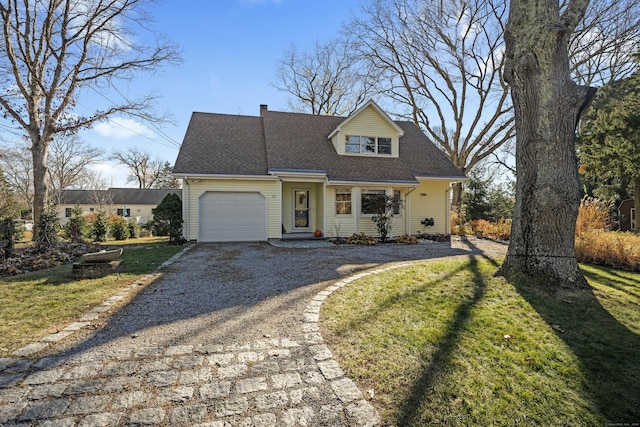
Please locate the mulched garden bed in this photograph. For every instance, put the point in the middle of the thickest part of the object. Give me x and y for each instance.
(42, 256)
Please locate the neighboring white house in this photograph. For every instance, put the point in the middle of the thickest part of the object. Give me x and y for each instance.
(134, 203)
(248, 178)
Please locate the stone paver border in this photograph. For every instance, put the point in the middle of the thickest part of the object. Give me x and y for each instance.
(346, 390)
(292, 380)
(95, 313)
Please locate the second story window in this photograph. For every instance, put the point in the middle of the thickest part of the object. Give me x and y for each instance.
(367, 145)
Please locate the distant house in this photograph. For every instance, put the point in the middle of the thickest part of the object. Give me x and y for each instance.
(133, 203)
(255, 178)
(627, 215)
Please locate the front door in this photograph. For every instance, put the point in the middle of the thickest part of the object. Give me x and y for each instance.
(301, 218)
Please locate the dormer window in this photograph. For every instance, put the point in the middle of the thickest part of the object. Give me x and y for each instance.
(367, 145)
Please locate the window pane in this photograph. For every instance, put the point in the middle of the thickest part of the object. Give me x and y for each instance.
(352, 145)
(67, 212)
(373, 202)
(368, 144)
(384, 145)
(343, 202)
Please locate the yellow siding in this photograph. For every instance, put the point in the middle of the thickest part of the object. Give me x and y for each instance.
(346, 225)
(270, 189)
(338, 225)
(429, 200)
(367, 123)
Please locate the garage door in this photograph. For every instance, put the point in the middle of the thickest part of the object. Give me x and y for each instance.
(232, 217)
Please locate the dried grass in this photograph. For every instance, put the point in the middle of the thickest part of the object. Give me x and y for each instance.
(593, 214)
(612, 249)
(498, 230)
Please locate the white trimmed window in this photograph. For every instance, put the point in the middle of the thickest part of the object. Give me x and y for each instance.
(367, 145)
(370, 201)
(343, 201)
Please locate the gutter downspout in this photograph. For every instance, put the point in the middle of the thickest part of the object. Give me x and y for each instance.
(447, 211)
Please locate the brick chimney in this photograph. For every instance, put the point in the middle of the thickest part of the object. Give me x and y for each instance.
(263, 109)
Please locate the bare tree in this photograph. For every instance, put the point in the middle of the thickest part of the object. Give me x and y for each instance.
(325, 81)
(16, 163)
(548, 105)
(442, 66)
(602, 46)
(143, 170)
(52, 49)
(8, 205)
(69, 158)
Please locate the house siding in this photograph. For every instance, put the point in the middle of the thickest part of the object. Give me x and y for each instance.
(625, 215)
(140, 213)
(346, 225)
(367, 123)
(338, 225)
(270, 189)
(430, 199)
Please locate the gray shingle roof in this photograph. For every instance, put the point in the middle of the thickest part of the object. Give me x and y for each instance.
(228, 144)
(223, 144)
(117, 196)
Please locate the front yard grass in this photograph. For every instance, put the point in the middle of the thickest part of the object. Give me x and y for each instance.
(36, 304)
(446, 343)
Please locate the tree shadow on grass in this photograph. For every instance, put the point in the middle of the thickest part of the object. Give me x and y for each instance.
(608, 351)
(410, 412)
(613, 279)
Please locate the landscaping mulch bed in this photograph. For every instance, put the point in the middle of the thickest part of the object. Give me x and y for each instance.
(42, 256)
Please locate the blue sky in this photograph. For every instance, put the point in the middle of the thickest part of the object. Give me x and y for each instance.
(230, 49)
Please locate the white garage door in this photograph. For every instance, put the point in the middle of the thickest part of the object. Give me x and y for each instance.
(232, 217)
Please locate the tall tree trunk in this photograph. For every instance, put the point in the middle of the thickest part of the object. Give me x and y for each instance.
(547, 105)
(456, 198)
(40, 188)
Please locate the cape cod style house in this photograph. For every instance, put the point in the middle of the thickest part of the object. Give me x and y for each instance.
(254, 178)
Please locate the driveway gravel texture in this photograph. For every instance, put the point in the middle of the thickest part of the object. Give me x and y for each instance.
(227, 335)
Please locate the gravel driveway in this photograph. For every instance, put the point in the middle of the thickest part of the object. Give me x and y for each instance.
(237, 292)
(218, 340)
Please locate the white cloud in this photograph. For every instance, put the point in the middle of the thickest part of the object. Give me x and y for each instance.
(120, 128)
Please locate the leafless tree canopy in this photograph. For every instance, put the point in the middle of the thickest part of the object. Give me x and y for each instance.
(51, 49)
(16, 164)
(69, 158)
(327, 80)
(442, 65)
(143, 170)
(602, 47)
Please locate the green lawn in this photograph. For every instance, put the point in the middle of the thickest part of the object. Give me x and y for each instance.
(36, 304)
(446, 343)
